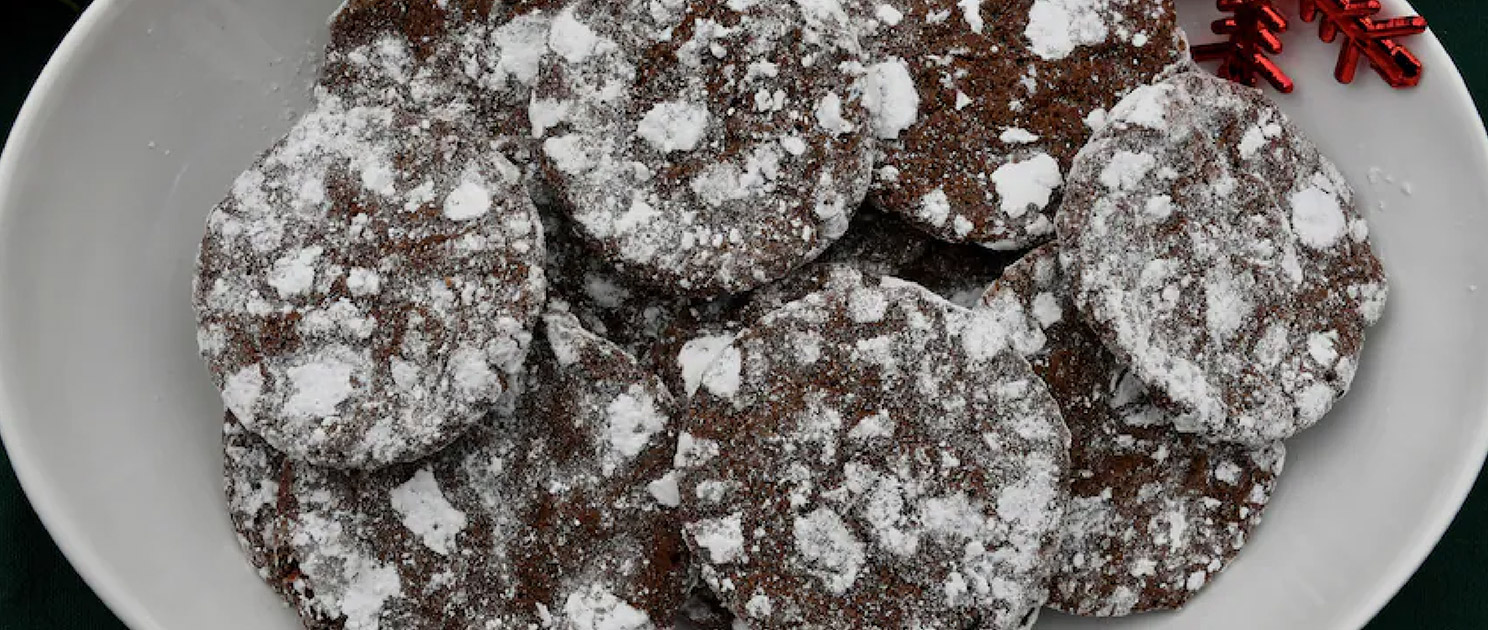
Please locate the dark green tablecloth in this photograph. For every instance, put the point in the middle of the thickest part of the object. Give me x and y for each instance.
(40, 591)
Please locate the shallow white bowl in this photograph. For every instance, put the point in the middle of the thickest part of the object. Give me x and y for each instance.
(151, 107)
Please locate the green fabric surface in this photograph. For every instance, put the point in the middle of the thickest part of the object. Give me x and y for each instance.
(40, 591)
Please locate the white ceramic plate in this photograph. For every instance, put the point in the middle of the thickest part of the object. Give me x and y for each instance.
(151, 107)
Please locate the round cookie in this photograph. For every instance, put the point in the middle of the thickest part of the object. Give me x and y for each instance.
(560, 517)
(1154, 514)
(366, 292)
(871, 456)
(1221, 256)
(704, 147)
(981, 107)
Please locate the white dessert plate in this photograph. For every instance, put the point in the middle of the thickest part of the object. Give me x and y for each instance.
(151, 107)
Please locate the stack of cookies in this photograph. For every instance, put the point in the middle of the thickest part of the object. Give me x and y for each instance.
(896, 314)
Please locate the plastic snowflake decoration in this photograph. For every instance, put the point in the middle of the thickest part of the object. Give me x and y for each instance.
(1367, 39)
(1254, 30)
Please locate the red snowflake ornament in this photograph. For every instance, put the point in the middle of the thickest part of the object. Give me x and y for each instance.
(1367, 38)
(1253, 32)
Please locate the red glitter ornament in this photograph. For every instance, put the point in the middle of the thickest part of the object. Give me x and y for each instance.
(1373, 40)
(1253, 32)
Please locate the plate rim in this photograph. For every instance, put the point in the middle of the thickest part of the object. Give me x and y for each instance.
(45, 501)
(115, 594)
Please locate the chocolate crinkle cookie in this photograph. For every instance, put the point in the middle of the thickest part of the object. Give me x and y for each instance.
(871, 456)
(560, 517)
(981, 106)
(704, 147)
(1154, 514)
(367, 290)
(1218, 253)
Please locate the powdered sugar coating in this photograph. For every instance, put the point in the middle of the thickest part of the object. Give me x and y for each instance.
(1150, 507)
(1000, 115)
(366, 292)
(469, 60)
(1057, 27)
(1207, 262)
(706, 147)
(476, 58)
(535, 521)
(907, 473)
